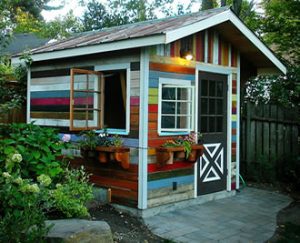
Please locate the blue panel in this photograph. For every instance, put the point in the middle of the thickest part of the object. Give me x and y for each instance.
(233, 138)
(54, 94)
(156, 74)
(182, 180)
(233, 124)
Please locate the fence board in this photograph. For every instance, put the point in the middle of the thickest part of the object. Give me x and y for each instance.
(270, 131)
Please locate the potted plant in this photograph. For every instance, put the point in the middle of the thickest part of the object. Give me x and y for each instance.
(185, 148)
(87, 144)
(112, 149)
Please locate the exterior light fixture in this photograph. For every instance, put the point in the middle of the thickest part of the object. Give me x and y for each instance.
(186, 54)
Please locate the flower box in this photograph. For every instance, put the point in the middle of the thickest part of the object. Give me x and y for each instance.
(165, 155)
(112, 153)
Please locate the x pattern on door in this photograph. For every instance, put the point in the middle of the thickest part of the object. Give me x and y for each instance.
(212, 162)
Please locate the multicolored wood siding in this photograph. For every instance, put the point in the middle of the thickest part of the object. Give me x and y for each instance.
(180, 175)
(50, 105)
(165, 63)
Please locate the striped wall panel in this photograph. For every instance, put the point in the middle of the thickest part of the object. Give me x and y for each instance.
(198, 49)
(233, 130)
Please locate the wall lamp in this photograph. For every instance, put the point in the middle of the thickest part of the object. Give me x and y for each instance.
(186, 54)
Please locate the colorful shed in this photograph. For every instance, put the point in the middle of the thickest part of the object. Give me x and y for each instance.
(151, 93)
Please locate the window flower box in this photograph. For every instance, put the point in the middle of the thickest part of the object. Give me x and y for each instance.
(188, 148)
(113, 153)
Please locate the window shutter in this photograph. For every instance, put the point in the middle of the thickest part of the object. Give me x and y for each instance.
(86, 100)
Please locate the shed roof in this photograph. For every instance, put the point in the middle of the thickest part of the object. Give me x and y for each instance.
(164, 31)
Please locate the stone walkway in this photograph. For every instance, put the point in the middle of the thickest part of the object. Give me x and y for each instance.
(250, 216)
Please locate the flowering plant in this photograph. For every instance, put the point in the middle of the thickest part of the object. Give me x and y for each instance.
(184, 141)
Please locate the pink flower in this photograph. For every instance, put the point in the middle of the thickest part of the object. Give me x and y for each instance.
(66, 138)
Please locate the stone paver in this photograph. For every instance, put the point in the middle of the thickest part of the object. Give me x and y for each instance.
(250, 216)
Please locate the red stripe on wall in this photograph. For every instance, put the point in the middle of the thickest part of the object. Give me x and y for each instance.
(153, 108)
(61, 101)
(134, 100)
(172, 49)
(220, 52)
(177, 165)
(233, 110)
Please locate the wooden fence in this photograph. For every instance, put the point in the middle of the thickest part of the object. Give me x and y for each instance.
(268, 132)
(14, 116)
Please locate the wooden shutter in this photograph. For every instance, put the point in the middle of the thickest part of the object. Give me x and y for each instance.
(86, 100)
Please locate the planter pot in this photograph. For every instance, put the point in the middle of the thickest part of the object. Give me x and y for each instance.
(197, 151)
(165, 155)
(118, 154)
(179, 155)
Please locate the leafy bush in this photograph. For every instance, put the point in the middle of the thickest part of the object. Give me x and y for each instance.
(34, 183)
(72, 194)
(39, 147)
(21, 207)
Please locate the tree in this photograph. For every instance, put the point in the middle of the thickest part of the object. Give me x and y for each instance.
(207, 4)
(61, 27)
(281, 28)
(95, 17)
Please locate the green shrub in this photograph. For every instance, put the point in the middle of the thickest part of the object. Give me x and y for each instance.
(34, 183)
(39, 147)
(73, 193)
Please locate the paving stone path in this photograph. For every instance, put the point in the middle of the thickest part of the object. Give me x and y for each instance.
(250, 216)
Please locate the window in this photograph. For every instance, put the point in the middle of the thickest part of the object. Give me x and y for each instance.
(100, 99)
(175, 108)
(212, 106)
(86, 100)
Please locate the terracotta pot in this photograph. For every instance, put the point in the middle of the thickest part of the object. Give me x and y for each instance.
(102, 157)
(179, 155)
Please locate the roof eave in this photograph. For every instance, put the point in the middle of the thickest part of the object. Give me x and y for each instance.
(218, 19)
(99, 48)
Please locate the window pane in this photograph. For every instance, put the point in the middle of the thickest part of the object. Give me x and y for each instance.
(182, 122)
(183, 108)
(219, 121)
(211, 124)
(219, 89)
(212, 88)
(219, 106)
(203, 124)
(168, 93)
(204, 106)
(212, 106)
(168, 107)
(204, 87)
(168, 122)
(183, 94)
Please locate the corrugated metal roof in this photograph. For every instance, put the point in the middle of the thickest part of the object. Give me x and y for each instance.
(129, 31)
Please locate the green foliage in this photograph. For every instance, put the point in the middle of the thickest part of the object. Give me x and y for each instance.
(71, 195)
(21, 206)
(263, 170)
(276, 89)
(29, 193)
(39, 147)
(281, 28)
(89, 140)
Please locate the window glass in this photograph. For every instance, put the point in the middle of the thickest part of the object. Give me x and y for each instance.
(204, 87)
(212, 88)
(175, 107)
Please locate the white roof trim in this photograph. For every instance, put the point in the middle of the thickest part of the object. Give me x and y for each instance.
(174, 35)
(166, 38)
(103, 47)
(220, 18)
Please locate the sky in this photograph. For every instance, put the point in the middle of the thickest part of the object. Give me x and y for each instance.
(78, 10)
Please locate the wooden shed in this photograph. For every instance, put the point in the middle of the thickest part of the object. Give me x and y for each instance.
(163, 78)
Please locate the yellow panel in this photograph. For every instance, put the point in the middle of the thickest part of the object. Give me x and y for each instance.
(153, 91)
(233, 117)
(234, 98)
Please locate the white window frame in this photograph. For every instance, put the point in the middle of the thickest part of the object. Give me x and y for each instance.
(175, 83)
(119, 66)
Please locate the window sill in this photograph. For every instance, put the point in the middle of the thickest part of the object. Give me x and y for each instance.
(173, 133)
(114, 131)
